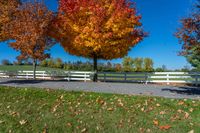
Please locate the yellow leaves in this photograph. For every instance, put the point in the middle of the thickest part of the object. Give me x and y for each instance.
(191, 131)
(110, 109)
(83, 130)
(158, 105)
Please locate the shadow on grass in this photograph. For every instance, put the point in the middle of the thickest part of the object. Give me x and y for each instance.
(188, 90)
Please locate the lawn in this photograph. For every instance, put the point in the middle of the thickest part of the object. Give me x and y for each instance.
(35, 110)
(26, 68)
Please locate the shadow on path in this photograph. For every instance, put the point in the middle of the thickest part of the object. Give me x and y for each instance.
(184, 90)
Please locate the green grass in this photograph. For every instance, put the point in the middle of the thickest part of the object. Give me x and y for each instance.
(26, 68)
(36, 110)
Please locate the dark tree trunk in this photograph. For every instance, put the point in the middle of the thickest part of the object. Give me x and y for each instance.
(95, 68)
(34, 68)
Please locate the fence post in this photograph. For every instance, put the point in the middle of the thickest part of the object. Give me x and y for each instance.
(167, 79)
(68, 76)
(125, 76)
(146, 78)
(26, 75)
(196, 80)
(104, 77)
(85, 77)
(43, 75)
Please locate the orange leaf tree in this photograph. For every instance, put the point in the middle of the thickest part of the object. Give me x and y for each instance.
(98, 29)
(7, 8)
(29, 29)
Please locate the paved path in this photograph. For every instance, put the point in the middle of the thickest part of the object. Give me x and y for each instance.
(118, 88)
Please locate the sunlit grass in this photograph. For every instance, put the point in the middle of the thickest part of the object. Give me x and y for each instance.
(36, 110)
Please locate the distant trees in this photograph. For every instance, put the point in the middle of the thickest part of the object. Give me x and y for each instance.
(128, 64)
(148, 64)
(5, 62)
(137, 64)
(189, 36)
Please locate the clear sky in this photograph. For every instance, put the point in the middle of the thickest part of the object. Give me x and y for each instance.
(159, 17)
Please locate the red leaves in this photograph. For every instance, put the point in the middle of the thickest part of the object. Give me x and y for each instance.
(29, 28)
(188, 35)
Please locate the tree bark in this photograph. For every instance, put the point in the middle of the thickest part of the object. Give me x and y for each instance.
(95, 68)
(34, 68)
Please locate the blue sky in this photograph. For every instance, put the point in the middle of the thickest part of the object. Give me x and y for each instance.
(159, 17)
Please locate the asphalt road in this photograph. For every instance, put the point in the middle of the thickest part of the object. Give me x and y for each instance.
(116, 88)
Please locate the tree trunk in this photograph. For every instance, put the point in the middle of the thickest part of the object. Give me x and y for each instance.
(34, 68)
(95, 68)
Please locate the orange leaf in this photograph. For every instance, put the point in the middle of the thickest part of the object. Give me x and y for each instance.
(166, 127)
(155, 122)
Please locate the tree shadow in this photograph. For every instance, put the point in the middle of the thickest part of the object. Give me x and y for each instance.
(184, 90)
(18, 82)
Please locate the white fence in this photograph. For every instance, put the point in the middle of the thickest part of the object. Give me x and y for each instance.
(45, 75)
(156, 77)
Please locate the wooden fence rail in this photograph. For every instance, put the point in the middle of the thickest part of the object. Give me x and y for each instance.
(155, 77)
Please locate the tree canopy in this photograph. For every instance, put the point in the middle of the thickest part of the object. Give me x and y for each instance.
(105, 29)
(189, 36)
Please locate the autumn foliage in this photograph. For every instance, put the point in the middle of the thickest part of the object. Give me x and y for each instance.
(7, 8)
(105, 29)
(29, 30)
(189, 36)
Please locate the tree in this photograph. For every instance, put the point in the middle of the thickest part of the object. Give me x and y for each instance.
(148, 65)
(50, 63)
(189, 36)
(138, 63)
(118, 67)
(58, 63)
(7, 8)
(29, 28)
(128, 64)
(97, 29)
(5, 62)
(44, 63)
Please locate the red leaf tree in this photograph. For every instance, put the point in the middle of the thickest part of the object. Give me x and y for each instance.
(189, 36)
(29, 30)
